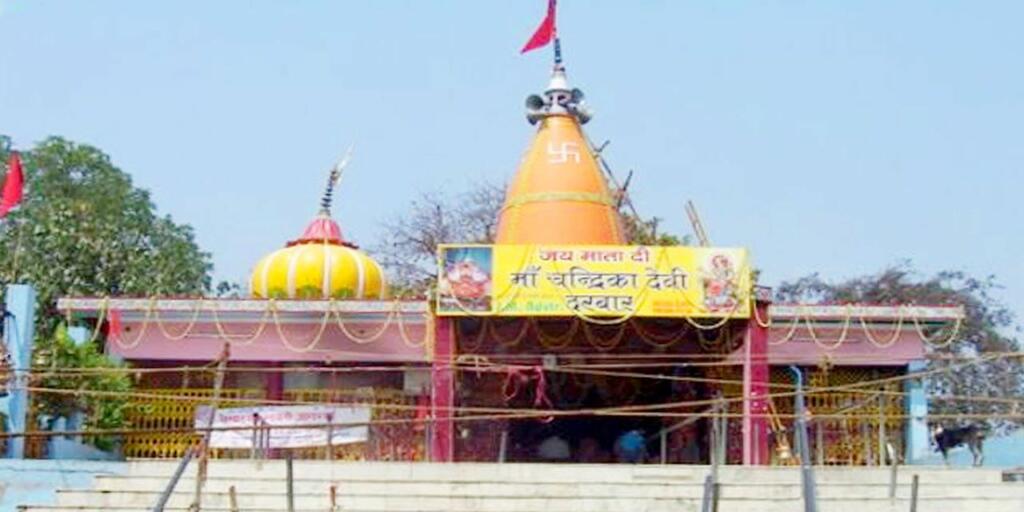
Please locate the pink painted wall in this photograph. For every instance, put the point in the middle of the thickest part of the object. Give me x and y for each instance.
(204, 343)
(855, 350)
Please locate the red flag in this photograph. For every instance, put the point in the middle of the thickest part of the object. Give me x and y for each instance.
(545, 32)
(13, 185)
(114, 325)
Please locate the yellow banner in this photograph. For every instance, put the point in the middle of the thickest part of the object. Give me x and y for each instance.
(593, 281)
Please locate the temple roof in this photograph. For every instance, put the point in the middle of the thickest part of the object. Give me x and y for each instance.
(320, 263)
(559, 195)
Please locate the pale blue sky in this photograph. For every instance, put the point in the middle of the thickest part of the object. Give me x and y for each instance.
(830, 136)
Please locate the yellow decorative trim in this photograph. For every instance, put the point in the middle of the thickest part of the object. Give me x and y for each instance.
(550, 197)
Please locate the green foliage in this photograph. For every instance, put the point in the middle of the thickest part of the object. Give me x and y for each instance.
(101, 412)
(641, 231)
(84, 229)
(989, 328)
(408, 246)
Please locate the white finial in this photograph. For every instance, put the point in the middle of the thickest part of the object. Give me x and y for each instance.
(333, 179)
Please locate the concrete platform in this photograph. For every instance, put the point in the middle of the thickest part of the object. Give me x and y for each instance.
(410, 487)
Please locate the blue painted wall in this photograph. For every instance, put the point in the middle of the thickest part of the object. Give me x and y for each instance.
(1000, 452)
(19, 337)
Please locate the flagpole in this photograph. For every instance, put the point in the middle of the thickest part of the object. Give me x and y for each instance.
(17, 252)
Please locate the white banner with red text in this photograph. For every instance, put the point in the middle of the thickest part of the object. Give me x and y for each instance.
(298, 426)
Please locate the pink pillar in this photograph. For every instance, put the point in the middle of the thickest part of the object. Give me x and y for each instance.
(275, 383)
(755, 388)
(442, 389)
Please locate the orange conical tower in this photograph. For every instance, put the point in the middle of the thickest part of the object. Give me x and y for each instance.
(559, 195)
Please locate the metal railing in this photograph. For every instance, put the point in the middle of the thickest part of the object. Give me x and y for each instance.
(173, 482)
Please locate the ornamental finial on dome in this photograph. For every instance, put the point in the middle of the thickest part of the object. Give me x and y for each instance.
(332, 181)
(559, 196)
(559, 98)
(320, 264)
(323, 228)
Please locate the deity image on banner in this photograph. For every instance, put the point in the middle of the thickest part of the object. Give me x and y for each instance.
(465, 282)
(720, 284)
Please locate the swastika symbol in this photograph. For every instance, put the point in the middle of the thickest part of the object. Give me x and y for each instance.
(561, 155)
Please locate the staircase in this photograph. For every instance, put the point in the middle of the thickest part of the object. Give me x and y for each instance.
(407, 487)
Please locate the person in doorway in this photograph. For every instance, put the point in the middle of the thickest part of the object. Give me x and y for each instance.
(590, 452)
(690, 453)
(554, 449)
(631, 447)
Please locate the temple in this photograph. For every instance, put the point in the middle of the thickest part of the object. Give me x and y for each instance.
(559, 330)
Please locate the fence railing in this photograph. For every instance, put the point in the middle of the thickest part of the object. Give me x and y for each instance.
(163, 419)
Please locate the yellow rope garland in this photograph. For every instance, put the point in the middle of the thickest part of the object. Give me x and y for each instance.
(478, 341)
(789, 334)
(892, 339)
(138, 338)
(814, 337)
(427, 332)
(333, 311)
(548, 341)
(602, 345)
(310, 345)
(104, 306)
(556, 342)
(515, 341)
(656, 341)
(246, 339)
(952, 335)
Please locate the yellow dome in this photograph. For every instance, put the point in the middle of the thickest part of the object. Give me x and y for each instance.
(320, 264)
(318, 270)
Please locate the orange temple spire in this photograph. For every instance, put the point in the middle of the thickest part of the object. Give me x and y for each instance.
(559, 195)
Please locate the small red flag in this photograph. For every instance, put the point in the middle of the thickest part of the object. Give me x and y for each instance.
(13, 185)
(545, 32)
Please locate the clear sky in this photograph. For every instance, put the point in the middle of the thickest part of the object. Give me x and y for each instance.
(828, 136)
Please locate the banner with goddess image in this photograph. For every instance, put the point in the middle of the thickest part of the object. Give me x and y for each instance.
(597, 281)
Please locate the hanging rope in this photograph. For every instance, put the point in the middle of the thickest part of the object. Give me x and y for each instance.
(492, 329)
(657, 341)
(892, 339)
(843, 333)
(555, 342)
(188, 327)
(601, 345)
(314, 340)
(358, 340)
(957, 325)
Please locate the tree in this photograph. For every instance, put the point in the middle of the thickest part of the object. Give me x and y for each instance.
(640, 231)
(989, 328)
(94, 372)
(409, 244)
(411, 237)
(84, 229)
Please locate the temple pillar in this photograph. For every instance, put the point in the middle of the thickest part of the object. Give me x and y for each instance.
(19, 316)
(442, 389)
(918, 444)
(756, 450)
(274, 381)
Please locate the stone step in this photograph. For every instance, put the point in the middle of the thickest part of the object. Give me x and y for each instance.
(546, 489)
(530, 473)
(829, 505)
(456, 502)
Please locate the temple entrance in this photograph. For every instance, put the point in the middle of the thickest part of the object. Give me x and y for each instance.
(648, 375)
(578, 439)
(626, 404)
